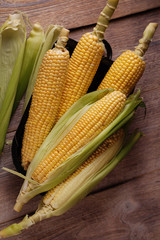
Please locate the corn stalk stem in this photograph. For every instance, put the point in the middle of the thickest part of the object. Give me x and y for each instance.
(146, 39)
(63, 38)
(104, 18)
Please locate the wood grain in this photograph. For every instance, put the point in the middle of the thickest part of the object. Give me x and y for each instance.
(139, 161)
(130, 211)
(117, 36)
(146, 154)
(126, 204)
(71, 14)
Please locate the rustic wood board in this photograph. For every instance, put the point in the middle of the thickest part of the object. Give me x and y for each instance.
(72, 14)
(125, 205)
(128, 211)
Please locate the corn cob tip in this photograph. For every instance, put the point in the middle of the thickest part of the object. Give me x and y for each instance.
(112, 4)
(18, 206)
(146, 39)
(16, 228)
(154, 25)
(37, 27)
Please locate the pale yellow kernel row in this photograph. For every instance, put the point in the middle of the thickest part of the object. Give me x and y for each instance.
(99, 115)
(45, 102)
(83, 65)
(50, 196)
(124, 73)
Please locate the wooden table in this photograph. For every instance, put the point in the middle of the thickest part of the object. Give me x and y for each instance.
(126, 204)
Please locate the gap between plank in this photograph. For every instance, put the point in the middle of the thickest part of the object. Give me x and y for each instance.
(91, 194)
(116, 18)
(121, 183)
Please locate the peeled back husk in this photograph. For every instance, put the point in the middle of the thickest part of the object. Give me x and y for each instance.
(12, 45)
(60, 130)
(46, 211)
(50, 37)
(32, 48)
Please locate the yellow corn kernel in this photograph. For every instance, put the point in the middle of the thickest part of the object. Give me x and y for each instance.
(85, 60)
(83, 65)
(124, 73)
(99, 115)
(92, 165)
(128, 68)
(45, 100)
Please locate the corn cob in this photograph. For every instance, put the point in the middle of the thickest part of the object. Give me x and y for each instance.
(85, 60)
(46, 98)
(50, 37)
(99, 115)
(65, 129)
(48, 206)
(59, 195)
(128, 68)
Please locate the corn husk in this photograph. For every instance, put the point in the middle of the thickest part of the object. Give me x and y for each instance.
(12, 44)
(86, 188)
(59, 195)
(60, 130)
(32, 48)
(46, 211)
(50, 37)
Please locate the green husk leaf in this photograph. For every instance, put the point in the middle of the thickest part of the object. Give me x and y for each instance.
(12, 44)
(11, 40)
(32, 48)
(63, 126)
(70, 185)
(46, 211)
(20, 175)
(15, 228)
(82, 154)
(88, 187)
(74, 161)
(51, 36)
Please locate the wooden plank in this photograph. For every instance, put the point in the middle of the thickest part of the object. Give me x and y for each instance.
(9, 187)
(116, 36)
(16, 118)
(129, 211)
(125, 33)
(145, 156)
(71, 14)
(139, 161)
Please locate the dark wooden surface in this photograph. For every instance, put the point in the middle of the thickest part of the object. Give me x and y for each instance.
(126, 204)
